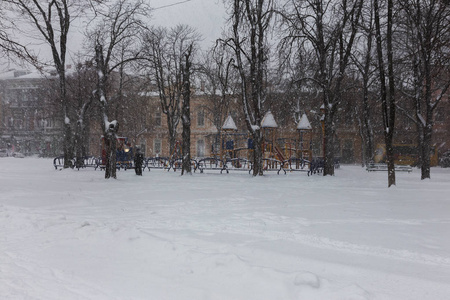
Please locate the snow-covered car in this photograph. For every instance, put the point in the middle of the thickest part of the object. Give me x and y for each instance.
(444, 160)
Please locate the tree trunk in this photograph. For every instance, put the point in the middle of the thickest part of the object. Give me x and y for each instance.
(79, 145)
(186, 115)
(67, 140)
(387, 104)
(328, 167)
(257, 154)
(67, 146)
(425, 153)
(110, 129)
(369, 149)
(111, 147)
(172, 139)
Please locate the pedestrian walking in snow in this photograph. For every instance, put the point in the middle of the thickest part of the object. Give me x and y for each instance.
(138, 161)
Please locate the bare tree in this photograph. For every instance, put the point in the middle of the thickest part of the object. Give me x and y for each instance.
(164, 50)
(186, 111)
(387, 84)
(116, 31)
(426, 29)
(296, 62)
(330, 28)
(11, 48)
(51, 19)
(250, 25)
(219, 83)
(80, 85)
(362, 58)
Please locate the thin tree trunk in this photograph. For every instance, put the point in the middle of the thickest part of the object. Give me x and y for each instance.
(110, 129)
(257, 154)
(186, 118)
(388, 109)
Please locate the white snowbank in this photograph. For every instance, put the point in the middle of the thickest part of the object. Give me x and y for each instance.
(74, 235)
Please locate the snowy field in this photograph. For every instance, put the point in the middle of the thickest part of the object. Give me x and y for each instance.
(74, 235)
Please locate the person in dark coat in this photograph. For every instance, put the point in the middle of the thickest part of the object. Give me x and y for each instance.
(138, 161)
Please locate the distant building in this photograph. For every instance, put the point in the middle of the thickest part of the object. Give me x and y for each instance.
(29, 123)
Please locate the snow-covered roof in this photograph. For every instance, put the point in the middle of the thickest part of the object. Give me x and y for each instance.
(269, 121)
(27, 74)
(304, 124)
(10, 74)
(229, 124)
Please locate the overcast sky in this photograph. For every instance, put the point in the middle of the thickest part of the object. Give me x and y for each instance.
(207, 16)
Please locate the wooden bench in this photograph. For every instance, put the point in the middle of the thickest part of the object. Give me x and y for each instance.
(157, 163)
(272, 164)
(294, 164)
(211, 163)
(58, 162)
(373, 167)
(238, 164)
(177, 163)
(86, 162)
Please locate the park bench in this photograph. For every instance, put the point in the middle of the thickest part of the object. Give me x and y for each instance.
(294, 164)
(177, 163)
(158, 163)
(58, 162)
(238, 164)
(316, 166)
(86, 162)
(272, 164)
(211, 163)
(372, 167)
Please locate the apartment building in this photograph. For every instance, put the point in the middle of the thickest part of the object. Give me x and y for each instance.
(29, 123)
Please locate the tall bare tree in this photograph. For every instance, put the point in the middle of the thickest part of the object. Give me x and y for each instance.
(219, 84)
(116, 31)
(330, 28)
(10, 47)
(51, 19)
(426, 28)
(186, 70)
(164, 51)
(250, 24)
(81, 101)
(385, 58)
(362, 58)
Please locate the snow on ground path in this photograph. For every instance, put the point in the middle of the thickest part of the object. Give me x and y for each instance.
(73, 235)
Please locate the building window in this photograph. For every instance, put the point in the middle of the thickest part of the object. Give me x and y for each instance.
(143, 147)
(348, 144)
(18, 124)
(201, 118)
(158, 118)
(200, 148)
(48, 123)
(157, 147)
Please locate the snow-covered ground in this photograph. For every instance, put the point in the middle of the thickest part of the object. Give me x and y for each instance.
(74, 235)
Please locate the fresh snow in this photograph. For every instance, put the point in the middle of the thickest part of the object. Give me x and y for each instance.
(68, 234)
(269, 121)
(304, 124)
(229, 124)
